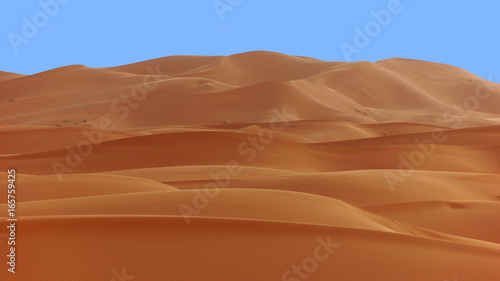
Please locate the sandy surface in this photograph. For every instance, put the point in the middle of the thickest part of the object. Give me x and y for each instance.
(256, 166)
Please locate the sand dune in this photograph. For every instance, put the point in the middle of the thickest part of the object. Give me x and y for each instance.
(255, 166)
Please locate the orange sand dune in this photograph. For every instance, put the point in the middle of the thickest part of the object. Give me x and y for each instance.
(220, 249)
(255, 166)
(480, 217)
(4, 76)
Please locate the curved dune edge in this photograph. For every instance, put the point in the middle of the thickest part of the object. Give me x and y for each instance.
(286, 245)
(38, 188)
(479, 216)
(232, 168)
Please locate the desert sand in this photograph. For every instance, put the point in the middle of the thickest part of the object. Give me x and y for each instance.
(255, 166)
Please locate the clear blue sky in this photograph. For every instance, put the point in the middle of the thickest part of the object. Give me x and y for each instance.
(110, 33)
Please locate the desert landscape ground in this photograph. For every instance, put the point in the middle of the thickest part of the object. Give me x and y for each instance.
(255, 166)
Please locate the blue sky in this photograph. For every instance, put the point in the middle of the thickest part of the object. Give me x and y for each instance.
(36, 37)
